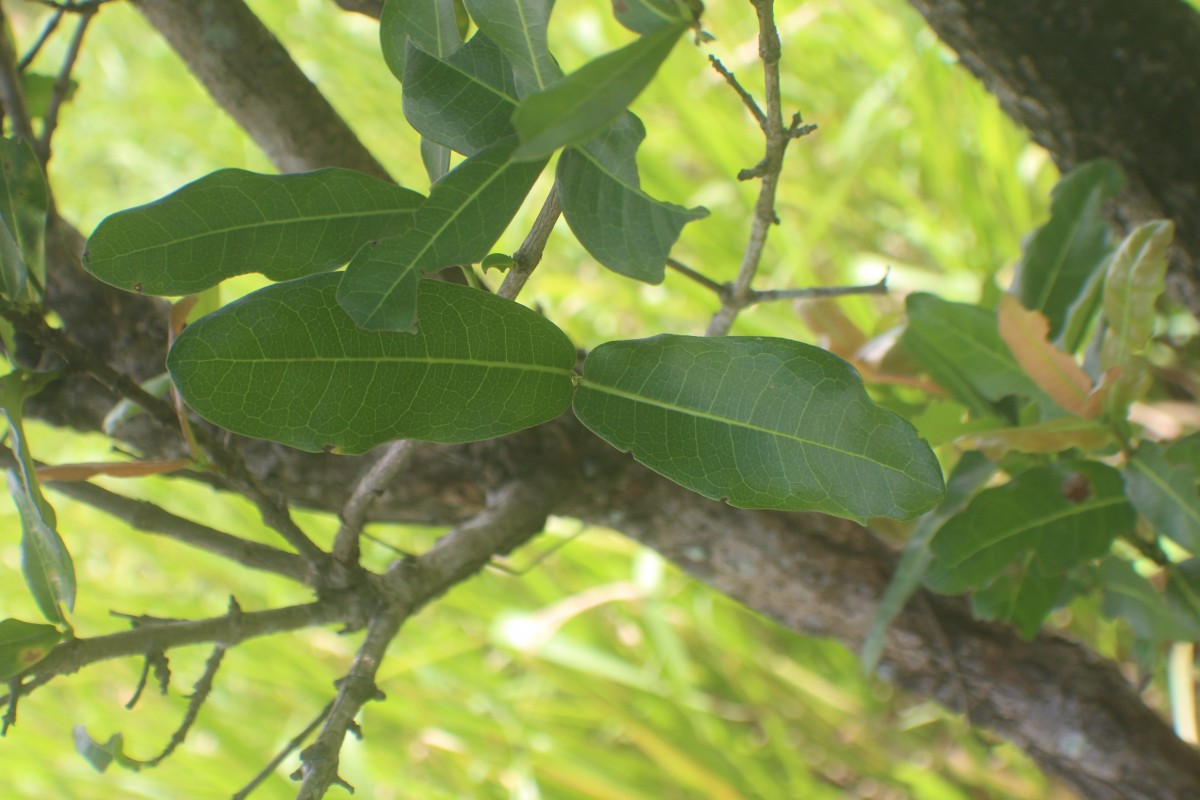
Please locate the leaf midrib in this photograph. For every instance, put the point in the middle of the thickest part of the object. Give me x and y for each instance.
(375, 360)
(250, 226)
(637, 398)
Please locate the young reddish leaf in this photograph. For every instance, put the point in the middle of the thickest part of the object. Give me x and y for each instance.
(1054, 371)
(114, 469)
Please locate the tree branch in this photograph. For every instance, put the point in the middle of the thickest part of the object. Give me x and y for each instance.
(517, 512)
(250, 75)
(229, 629)
(1100, 78)
(145, 516)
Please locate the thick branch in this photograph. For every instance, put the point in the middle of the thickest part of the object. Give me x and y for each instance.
(250, 75)
(1098, 78)
(517, 512)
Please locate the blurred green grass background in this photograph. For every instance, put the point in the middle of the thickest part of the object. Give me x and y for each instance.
(601, 672)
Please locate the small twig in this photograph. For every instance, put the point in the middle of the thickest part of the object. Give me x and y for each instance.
(74, 6)
(147, 517)
(768, 170)
(62, 83)
(12, 96)
(767, 295)
(721, 289)
(529, 254)
(747, 98)
(346, 545)
(287, 750)
(200, 692)
(47, 29)
(73, 655)
(156, 661)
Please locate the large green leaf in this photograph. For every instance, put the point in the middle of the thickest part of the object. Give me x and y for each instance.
(287, 364)
(1060, 271)
(763, 423)
(45, 562)
(519, 28)
(431, 25)
(621, 226)
(960, 346)
(583, 103)
(1058, 516)
(233, 222)
(465, 100)
(24, 201)
(23, 644)
(466, 212)
(1165, 494)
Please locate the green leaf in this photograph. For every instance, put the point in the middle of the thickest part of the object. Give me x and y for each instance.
(1183, 596)
(647, 16)
(1165, 494)
(45, 562)
(763, 423)
(431, 25)
(959, 345)
(101, 755)
(1060, 515)
(1022, 595)
(622, 227)
(582, 104)
(233, 222)
(1060, 271)
(287, 364)
(971, 472)
(14, 275)
(24, 204)
(464, 216)
(518, 27)
(24, 644)
(1136, 279)
(1129, 596)
(464, 101)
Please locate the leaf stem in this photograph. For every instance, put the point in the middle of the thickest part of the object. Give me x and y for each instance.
(721, 289)
(529, 254)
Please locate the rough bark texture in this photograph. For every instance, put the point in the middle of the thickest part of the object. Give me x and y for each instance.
(243, 66)
(1071, 710)
(1092, 78)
